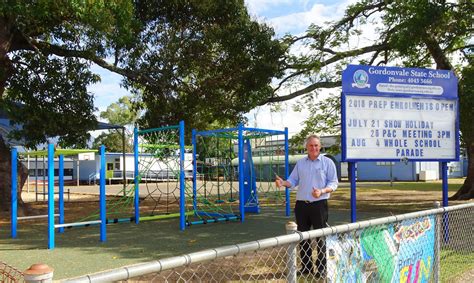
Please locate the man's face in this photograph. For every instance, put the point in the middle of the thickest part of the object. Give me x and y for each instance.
(313, 146)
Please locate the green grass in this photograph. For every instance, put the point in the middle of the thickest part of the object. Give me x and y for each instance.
(454, 264)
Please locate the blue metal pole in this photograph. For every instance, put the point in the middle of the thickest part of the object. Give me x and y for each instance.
(193, 141)
(137, 175)
(182, 196)
(352, 172)
(50, 196)
(103, 220)
(287, 173)
(241, 174)
(61, 192)
(444, 171)
(14, 188)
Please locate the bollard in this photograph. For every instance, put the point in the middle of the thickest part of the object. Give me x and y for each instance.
(39, 272)
(437, 270)
(291, 263)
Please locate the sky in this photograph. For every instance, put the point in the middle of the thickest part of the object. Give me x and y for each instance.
(285, 16)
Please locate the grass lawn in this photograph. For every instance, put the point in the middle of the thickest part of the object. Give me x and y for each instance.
(78, 251)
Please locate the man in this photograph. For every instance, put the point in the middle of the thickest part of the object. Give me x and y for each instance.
(316, 178)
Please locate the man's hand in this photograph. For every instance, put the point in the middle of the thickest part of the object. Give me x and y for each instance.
(278, 181)
(316, 193)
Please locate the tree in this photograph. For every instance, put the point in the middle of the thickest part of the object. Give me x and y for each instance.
(408, 33)
(121, 113)
(194, 60)
(213, 63)
(42, 50)
(466, 102)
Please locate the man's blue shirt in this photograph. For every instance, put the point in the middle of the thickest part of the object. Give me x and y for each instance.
(308, 174)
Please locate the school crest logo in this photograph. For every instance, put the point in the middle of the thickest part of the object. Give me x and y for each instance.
(361, 79)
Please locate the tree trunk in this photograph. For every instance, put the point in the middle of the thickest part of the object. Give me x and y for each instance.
(467, 189)
(6, 68)
(5, 180)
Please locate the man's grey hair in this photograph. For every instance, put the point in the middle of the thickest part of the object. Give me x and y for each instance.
(313, 136)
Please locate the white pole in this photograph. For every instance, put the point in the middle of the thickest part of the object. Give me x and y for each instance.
(78, 171)
(291, 262)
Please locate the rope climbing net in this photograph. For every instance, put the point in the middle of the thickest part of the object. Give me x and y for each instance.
(235, 173)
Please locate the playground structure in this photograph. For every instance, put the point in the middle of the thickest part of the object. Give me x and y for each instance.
(234, 173)
(235, 176)
(159, 168)
(52, 225)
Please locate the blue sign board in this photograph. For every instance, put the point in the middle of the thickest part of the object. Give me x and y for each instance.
(392, 114)
(361, 79)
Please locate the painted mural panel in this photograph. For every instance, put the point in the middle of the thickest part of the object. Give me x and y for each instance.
(402, 252)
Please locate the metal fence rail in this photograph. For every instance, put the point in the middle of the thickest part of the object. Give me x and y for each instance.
(435, 245)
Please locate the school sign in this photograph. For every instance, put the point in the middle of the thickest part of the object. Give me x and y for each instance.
(393, 114)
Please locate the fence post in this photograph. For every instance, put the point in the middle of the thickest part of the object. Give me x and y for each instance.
(39, 272)
(437, 247)
(291, 262)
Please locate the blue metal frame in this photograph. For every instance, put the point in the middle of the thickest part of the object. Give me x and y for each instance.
(212, 132)
(158, 129)
(273, 132)
(444, 174)
(193, 140)
(50, 196)
(287, 174)
(14, 192)
(182, 199)
(103, 216)
(240, 138)
(352, 172)
(241, 173)
(137, 176)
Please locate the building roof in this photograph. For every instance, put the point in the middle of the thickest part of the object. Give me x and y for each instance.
(6, 128)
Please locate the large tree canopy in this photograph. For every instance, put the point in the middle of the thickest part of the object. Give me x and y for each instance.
(409, 33)
(46, 48)
(200, 61)
(406, 33)
(206, 61)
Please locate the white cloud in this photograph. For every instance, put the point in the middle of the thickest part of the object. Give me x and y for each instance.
(298, 22)
(295, 23)
(259, 7)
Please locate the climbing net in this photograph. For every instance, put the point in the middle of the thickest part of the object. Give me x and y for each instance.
(269, 160)
(159, 171)
(158, 177)
(220, 191)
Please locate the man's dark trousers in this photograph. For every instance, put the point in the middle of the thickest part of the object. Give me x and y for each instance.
(313, 214)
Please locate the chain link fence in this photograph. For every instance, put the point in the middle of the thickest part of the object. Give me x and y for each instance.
(435, 245)
(9, 273)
